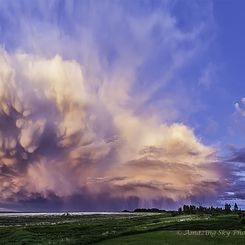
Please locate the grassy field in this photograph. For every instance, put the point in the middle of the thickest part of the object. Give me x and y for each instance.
(175, 238)
(122, 229)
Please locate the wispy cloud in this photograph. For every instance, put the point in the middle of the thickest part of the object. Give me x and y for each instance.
(240, 107)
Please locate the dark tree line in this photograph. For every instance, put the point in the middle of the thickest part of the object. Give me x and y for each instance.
(192, 209)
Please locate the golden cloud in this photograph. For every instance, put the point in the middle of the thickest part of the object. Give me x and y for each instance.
(60, 133)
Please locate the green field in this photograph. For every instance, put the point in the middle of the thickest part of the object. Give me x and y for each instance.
(173, 237)
(123, 229)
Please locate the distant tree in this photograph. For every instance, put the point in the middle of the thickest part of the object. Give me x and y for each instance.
(186, 209)
(235, 209)
(227, 208)
(201, 210)
(180, 210)
(192, 209)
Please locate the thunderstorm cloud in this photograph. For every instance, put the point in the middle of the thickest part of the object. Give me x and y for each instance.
(80, 125)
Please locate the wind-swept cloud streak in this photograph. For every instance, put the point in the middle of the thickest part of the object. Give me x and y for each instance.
(75, 125)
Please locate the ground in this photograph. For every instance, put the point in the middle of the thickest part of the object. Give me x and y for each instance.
(144, 228)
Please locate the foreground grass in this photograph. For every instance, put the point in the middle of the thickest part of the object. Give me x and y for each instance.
(138, 229)
(174, 238)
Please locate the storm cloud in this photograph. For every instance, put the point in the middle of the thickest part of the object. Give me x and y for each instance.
(55, 139)
(77, 128)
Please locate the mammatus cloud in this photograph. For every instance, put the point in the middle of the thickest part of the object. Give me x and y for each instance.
(79, 127)
(60, 136)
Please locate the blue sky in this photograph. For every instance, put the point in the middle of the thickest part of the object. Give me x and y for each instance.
(152, 75)
(229, 18)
